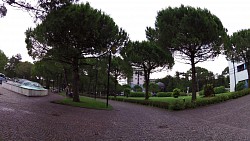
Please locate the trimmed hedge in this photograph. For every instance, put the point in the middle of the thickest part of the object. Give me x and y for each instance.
(180, 104)
(176, 92)
(164, 94)
(137, 94)
(183, 94)
(240, 86)
(159, 104)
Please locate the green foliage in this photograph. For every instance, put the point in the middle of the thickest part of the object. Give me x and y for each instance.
(238, 49)
(185, 102)
(219, 90)
(147, 56)
(126, 86)
(74, 33)
(183, 94)
(23, 70)
(177, 105)
(3, 61)
(164, 94)
(10, 68)
(194, 34)
(240, 86)
(208, 90)
(159, 104)
(176, 92)
(127, 91)
(153, 87)
(201, 92)
(137, 94)
(137, 88)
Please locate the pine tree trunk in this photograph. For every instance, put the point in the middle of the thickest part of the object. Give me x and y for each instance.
(75, 86)
(146, 75)
(193, 80)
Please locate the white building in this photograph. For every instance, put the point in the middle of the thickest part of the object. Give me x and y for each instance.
(237, 73)
(137, 78)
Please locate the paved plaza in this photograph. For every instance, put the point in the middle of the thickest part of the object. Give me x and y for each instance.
(36, 119)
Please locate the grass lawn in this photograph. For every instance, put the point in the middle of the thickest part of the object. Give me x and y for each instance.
(162, 99)
(85, 102)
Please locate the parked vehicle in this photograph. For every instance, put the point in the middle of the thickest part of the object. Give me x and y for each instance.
(2, 78)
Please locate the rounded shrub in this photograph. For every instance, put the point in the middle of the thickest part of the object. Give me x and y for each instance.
(219, 90)
(176, 92)
(208, 90)
(126, 91)
(240, 86)
(137, 88)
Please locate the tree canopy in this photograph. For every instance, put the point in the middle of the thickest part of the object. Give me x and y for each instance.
(39, 9)
(72, 33)
(194, 34)
(3, 61)
(239, 50)
(147, 56)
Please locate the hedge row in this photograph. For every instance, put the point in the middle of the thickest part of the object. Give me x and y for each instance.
(180, 105)
(217, 90)
(159, 104)
(169, 94)
(137, 94)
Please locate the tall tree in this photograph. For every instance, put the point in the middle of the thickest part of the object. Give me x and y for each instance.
(46, 70)
(3, 61)
(239, 51)
(203, 77)
(147, 56)
(39, 9)
(10, 68)
(72, 33)
(119, 69)
(194, 34)
(23, 70)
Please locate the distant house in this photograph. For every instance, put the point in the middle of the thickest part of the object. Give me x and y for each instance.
(137, 78)
(237, 73)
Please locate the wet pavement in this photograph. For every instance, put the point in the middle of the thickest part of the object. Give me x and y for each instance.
(36, 119)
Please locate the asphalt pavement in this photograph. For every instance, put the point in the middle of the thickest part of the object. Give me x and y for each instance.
(37, 119)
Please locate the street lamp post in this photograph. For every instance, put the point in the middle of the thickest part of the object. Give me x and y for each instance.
(96, 77)
(108, 78)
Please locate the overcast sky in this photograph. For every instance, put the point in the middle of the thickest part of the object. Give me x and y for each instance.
(133, 16)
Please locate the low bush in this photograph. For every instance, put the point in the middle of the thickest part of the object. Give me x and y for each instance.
(164, 94)
(208, 90)
(137, 94)
(137, 88)
(177, 105)
(159, 104)
(219, 90)
(201, 92)
(183, 94)
(127, 91)
(180, 104)
(240, 86)
(176, 93)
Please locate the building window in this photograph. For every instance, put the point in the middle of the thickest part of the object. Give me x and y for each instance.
(241, 67)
